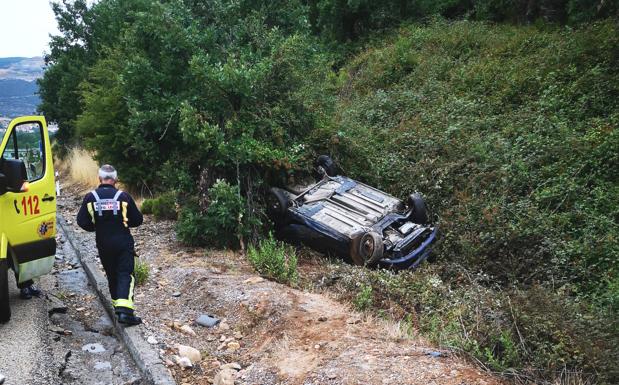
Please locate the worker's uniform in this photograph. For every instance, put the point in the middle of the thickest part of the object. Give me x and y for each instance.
(111, 212)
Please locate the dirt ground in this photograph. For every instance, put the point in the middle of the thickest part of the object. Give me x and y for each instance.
(269, 333)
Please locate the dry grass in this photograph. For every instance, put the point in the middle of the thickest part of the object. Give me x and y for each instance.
(567, 377)
(82, 168)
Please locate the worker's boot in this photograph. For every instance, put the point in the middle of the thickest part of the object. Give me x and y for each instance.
(28, 292)
(129, 319)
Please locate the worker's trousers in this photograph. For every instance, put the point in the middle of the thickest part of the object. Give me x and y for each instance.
(118, 266)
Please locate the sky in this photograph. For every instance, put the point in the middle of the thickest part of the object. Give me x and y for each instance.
(25, 26)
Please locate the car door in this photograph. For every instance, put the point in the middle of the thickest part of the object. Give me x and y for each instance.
(29, 214)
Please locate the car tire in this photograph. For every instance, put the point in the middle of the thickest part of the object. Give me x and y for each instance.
(5, 306)
(418, 209)
(367, 249)
(326, 165)
(277, 204)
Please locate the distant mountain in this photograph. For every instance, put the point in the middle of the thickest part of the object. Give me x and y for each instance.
(21, 68)
(18, 88)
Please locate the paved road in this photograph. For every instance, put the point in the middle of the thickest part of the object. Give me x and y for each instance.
(24, 345)
(24, 352)
(69, 346)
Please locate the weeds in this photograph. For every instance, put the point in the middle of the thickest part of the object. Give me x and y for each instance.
(363, 300)
(534, 332)
(82, 167)
(141, 271)
(274, 259)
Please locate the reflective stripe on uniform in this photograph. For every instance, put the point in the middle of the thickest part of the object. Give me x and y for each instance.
(124, 210)
(124, 303)
(128, 302)
(91, 211)
(97, 199)
(115, 199)
(131, 289)
(102, 205)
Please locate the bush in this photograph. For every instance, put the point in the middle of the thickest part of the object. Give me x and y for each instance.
(141, 271)
(363, 300)
(274, 259)
(537, 331)
(147, 207)
(162, 207)
(221, 225)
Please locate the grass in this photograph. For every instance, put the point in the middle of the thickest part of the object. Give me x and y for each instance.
(363, 300)
(141, 271)
(275, 260)
(82, 168)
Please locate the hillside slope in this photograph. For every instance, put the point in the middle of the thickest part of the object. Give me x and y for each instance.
(512, 135)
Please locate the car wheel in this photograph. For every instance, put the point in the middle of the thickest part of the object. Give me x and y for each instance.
(5, 306)
(277, 204)
(419, 211)
(367, 249)
(326, 166)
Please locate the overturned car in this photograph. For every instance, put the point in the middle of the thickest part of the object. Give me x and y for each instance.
(365, 226)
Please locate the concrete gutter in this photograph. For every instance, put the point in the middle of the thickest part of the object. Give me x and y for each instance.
(144, 354)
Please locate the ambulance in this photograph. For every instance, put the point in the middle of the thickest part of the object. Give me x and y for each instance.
(27, 204)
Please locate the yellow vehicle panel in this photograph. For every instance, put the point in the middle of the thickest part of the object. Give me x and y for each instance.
(27, 214)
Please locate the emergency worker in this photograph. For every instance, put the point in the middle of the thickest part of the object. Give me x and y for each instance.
(111, 212)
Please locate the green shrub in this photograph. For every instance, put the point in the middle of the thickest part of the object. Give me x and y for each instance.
(274, 259)
(363, 300)
(221, 225)
(141, 271)
(191, 226)
(147, 206)
(162, 207)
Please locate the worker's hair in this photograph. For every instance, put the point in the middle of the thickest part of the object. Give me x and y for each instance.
(108, 172)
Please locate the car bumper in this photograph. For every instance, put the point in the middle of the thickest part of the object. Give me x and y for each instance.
(412, 259)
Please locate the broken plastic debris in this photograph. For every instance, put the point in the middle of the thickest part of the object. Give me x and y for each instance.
(207, 320)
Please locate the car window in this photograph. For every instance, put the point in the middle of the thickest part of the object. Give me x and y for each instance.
(26, 143)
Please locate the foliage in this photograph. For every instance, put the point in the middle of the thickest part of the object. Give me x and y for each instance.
(162, 207)
(190, 226)
(343, 20)
(509, 131)
(511, 134)
(141, 271)
(508, 329)
(274, 259)
(229, 87)
(221, 225)
(363, 300)
(147, 207)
